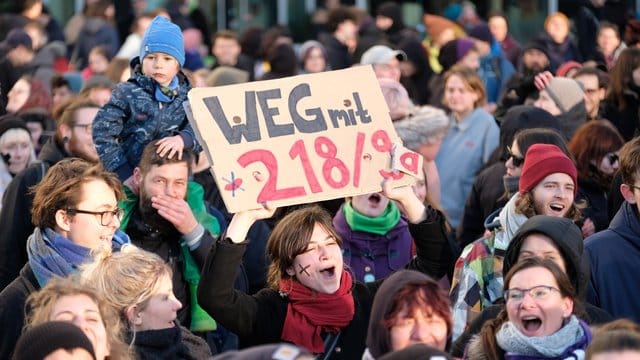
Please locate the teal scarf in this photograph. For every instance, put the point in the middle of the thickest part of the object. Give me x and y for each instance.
(166, 94)
(378, 225)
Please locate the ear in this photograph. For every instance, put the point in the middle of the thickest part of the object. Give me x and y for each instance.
(290, 271)
(63, 220)
(567, 307)
(65, 130)
(133, 316)
(627, 193)
(137, 176)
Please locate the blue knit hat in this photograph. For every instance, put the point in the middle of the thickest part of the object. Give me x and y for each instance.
(165, 37)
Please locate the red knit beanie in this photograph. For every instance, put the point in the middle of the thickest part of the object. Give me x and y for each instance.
(543, 160)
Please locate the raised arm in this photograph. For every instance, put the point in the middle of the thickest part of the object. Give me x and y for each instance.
(233, 309)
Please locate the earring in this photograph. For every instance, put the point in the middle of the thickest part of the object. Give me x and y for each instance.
(65, 139)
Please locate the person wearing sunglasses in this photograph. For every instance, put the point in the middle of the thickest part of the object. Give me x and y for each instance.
(547, 186)
(541, 319)
(595, 147)
(75, 211)
(488, 190)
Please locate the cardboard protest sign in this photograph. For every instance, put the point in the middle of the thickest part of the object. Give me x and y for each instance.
(300, 139)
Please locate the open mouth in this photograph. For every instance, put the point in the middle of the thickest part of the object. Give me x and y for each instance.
(329, 272)
(556, 207)
(375, 198)
(531, 324)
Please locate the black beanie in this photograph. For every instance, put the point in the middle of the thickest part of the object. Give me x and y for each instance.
(481, 32)
(40, 341)
(9, 122)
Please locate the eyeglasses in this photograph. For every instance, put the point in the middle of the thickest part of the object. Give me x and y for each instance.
(634, 186)
(539, 292)
(86, 127)
(515, 159)
(106, 217)
(612, 157)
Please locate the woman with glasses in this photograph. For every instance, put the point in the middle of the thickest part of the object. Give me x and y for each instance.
(547, 186)
(75, 211)
(595, 147)
(557, 239)
(540, 319)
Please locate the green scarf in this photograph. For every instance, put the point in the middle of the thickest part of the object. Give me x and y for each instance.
(200, 319)
(378, 225)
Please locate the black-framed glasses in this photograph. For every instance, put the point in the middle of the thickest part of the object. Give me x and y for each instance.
(515, 159)
(539, 292)
(106, 217)
(612, 157)
(634, 186)
(86, 127)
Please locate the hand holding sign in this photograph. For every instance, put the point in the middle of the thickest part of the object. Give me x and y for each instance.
(319, 142)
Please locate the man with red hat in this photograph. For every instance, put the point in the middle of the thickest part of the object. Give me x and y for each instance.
(547, 186)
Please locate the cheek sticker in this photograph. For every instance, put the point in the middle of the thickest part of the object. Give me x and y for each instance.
(303, 269)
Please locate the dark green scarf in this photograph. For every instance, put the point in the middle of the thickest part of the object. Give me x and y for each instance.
(378, 225)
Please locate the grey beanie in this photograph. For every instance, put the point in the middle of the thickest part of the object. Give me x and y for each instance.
(423, 126)
(565, 92)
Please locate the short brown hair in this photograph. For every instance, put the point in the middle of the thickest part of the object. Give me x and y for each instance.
(68, 113)
(60, 188)
(291, 236)
(150, 157)
(225, 34)
(470, 79)
(630, 161)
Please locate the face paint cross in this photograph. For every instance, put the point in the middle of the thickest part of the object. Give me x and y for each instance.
(304, 269)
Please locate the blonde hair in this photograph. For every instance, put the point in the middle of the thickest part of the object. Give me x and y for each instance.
(43, 301)
(126, 278)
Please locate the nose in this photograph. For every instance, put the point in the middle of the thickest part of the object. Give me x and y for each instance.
(509, 163)
(169, 190)
(79, 322)
(527, 301)
(177, 303)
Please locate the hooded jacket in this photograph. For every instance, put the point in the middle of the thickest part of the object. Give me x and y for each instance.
(615, 263)
(133, 118)
(568, 238)
(378, 336)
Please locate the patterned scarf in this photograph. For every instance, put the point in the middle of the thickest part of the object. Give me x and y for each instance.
(310, 314)
(51, 254)
(513, 341)
(166, 94)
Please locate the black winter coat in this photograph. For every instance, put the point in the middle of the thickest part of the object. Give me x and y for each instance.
(259, 319)
(12, 309)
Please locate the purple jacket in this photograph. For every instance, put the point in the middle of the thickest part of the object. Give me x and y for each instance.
(369, 256)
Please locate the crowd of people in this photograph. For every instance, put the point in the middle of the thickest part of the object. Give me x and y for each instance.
(521, 240)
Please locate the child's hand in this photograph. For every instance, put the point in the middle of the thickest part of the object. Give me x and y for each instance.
(170, 145)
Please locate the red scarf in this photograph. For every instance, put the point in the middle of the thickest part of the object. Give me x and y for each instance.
(310, 313)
